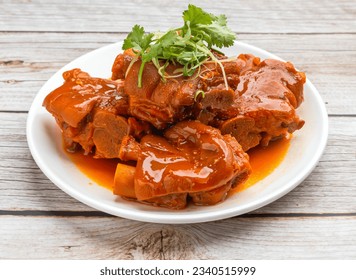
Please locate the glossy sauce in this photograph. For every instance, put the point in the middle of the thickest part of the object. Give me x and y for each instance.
(101, 171)
(263, 161)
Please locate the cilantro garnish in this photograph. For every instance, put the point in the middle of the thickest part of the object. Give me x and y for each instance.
(190, 45)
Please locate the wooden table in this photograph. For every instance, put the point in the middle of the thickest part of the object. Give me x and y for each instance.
(315, 221)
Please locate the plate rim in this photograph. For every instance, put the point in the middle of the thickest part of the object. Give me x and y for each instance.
(189, 217)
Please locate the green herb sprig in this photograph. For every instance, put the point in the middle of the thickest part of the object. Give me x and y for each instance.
(190, 45)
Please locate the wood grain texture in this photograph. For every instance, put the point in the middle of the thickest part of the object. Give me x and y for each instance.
(304, 16)
(331, 188)
(237, 238)
(29, 59)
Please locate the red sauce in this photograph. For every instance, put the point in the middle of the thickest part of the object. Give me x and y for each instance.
(101, 171)
(263, 161)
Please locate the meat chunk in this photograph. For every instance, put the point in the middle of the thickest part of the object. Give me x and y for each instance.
(264, 102)
(244, 129)
(120, 65)
(192, 159)
(92, 113)
(268, 95)
(158, 102)
(80, 93)
(130, 149)
(108, 131)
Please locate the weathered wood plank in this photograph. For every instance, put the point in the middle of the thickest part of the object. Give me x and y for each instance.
(331, 188)
(237, 238)
(27, 60)
(247, 16)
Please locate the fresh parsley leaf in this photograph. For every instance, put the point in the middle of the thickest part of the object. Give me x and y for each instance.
(168, 39)
(220, 34)
(137, 39)
(189, 45)
(196, 15)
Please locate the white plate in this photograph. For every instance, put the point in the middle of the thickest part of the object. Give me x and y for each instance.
(45, 142)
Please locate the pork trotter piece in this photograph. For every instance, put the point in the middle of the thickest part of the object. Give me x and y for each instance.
(192, 159)
(260, 104)
(92, 114)
(158, 102)
(266, 99)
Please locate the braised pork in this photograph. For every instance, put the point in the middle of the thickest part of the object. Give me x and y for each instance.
(256, 105)
(184, 137)
(260, 106)
(159, 102)
(191, 160)
(92, 114)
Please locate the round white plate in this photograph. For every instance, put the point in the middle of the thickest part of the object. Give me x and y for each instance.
(45, 142)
